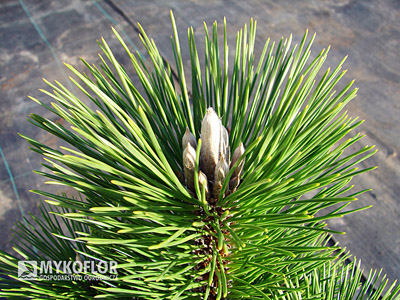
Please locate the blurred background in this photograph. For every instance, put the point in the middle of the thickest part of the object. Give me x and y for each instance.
(37, 36)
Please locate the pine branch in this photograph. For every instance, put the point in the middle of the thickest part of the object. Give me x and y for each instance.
(221, 193)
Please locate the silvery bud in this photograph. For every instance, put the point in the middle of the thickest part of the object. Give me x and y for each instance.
(239, 151)
(224, 144)
(203, 181)
(189, 161)
(221, 170)
(234, 183)
(210, 147)
(188, 137)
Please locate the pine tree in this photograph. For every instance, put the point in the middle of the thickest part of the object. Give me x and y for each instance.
(220, 190)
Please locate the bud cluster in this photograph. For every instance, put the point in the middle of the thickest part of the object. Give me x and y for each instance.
(215, 158)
